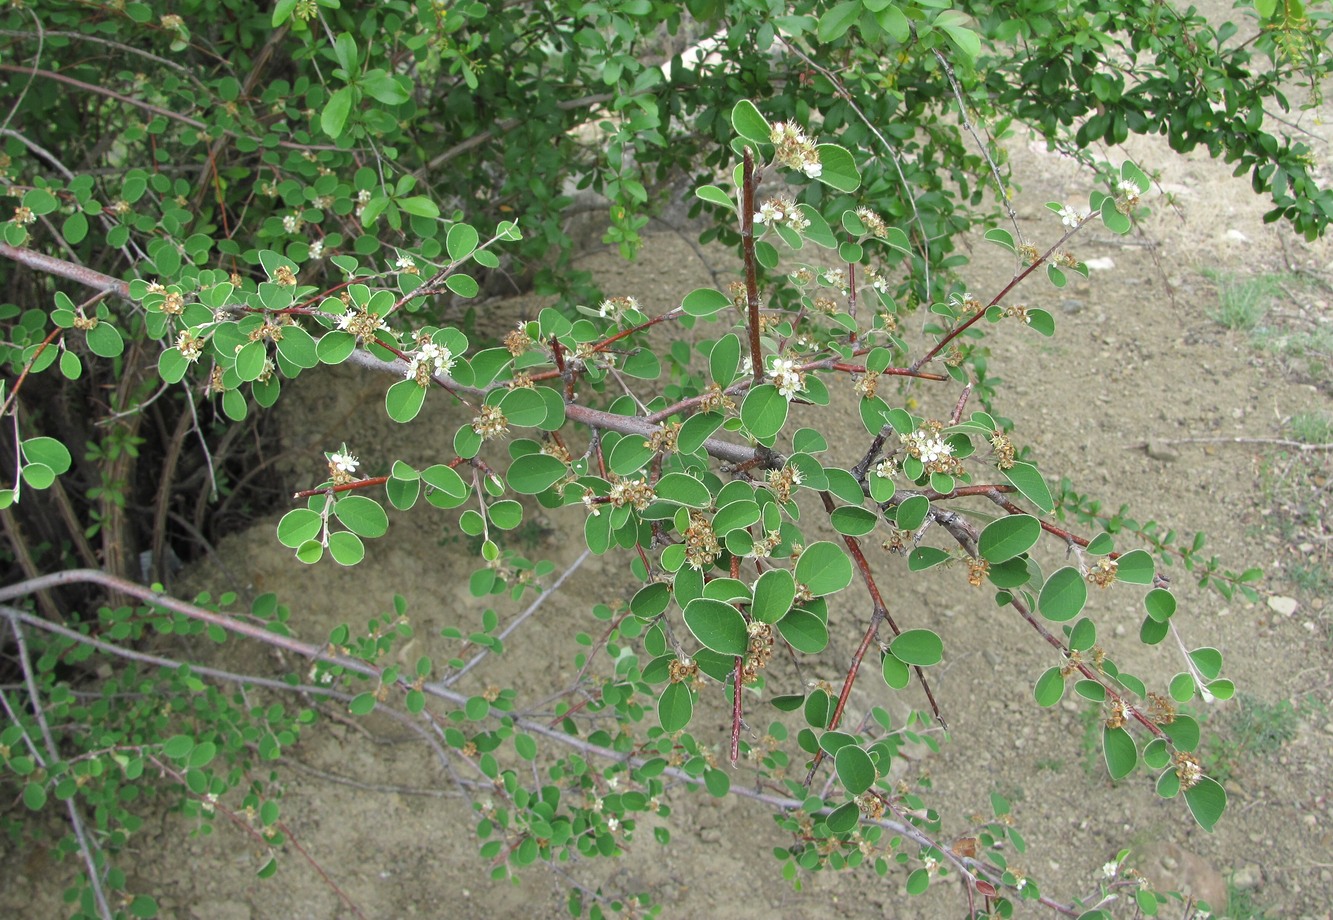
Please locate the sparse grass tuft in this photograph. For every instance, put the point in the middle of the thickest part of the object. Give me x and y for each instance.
(1243, 301)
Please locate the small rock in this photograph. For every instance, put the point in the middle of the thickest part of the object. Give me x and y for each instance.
(1328, 728)
(1160, 450)
(1235, 236)
(1283, 605)
(1171, 867)
(1103, 264)
(1071, 305)
(1247, 878)
(710, 834)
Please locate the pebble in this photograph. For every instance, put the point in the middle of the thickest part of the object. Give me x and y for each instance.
(1283, 605)
(1247, 878)
(1236, 236)
(1159, 450)
(1102, 264)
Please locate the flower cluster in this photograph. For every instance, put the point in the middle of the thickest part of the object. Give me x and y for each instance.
(1188, 770)
(1129, 193)
(361, 324)
(342, 465)
(407, 266)
(701, 546)
(783, 481)
(612, 307)
(789, 379)
(634, 492)
(429, 359)
(758, 651)
(23, 215)
(517, 340)
(1102, 574)
(795, 149)
(1072, 217)
(781, 209)
(874, 223)
(490, 423)
(190, 346)
(1004, 450)
(928, 446)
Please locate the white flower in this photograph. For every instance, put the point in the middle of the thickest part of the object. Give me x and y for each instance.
(1110, 869)
(769, 212)
(437, 359)
(885, 469)
(797, 221)
(788, 379)
(1071, 216)
(291, 223)
(1020, 884)
(933, 449)
(317, 249)
(343, 462)
(612, 823)
(813, 168)
(405, 263)
(1128, 187)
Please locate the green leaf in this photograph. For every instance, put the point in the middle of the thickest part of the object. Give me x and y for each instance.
(630, 455)
(362, 515)
(1160, 603)
(837, 20)
(844, 818)
(704, 302)
(920, 647)
(683, 489)
(675, 707)
(361, 704)
(1208, 661)
(912, 512)
(1027, 479)
(461, 241)
(724, 359)
(404, 400)
(1008, 537)
(419, 206)
(1182, 687)
(925, 557)
(1135, 568)
(747, 121)
(1063, 595)
(715, 195)
(299, 526)
(1207, 801)
(839, 169)
(824, 568)
(918, 881)
(804, 631)
(855, 769)
(764, 411)
(650, 600)
(1050, 687)
(1121, 754)
(34, 796)
(697, 429)
(48, 451)
(346, 548)
(717, 625)
(334, 117)
(852, 521)
(534, 473)
(774, 592)
(75, 228)
(952, 23)
(384, 88)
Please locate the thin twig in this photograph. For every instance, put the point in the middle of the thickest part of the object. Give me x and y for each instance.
(76, 822)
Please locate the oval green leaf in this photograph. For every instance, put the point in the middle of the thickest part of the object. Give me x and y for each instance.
(1008, 537)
